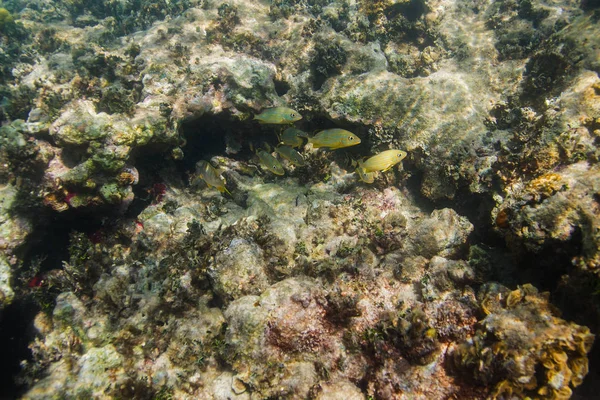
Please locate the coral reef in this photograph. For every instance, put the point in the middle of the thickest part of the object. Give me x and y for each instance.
(13, 233)
(310, 284)
(522, 348)
(555, 209)
(223, 306)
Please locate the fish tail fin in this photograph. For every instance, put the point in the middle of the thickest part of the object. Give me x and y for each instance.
(267, 147)
(224, 190)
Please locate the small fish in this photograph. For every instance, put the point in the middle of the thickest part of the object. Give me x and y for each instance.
(382, 161)
(270, 163)
(211, 176)
(366, 177)
(278, 116)
(293, 137)
(291, 155)
(334, 139)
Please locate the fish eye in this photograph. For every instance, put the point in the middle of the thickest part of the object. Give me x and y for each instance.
(350, 138)
(293, 115)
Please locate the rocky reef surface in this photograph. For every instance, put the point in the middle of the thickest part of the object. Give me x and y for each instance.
(470, 271)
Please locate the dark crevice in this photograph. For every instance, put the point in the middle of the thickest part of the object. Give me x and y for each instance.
(205, 138)
(71, 156)
(590, 4)
(412, 10)
(16, 332)
(221, 135)
(213, 135)
(413, 186)
(50, 240)
(281, 87)
(45, 249)
(512, 266)
(477, 208)
(149, 160)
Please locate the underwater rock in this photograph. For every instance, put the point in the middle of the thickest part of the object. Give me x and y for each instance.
(522, 348)
(97, 366)
(6, 291)
(101, 144)
(238, 270)
(287, 318)
(80, 370)
(446, 274)
(557, 210)
(444, 234)
(310, 284)
(69, 311)
(14, 230)
(223, 388)
(221, 307)
(339, 390)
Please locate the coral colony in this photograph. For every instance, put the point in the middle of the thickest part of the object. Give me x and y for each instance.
(324, 199)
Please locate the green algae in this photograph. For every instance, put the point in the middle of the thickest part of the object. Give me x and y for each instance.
(112, 193)
(7, 21)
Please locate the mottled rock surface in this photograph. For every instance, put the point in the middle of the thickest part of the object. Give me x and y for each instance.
(312, 284)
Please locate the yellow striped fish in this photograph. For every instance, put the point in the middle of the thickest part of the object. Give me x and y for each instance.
(335, 138)
(211, 176)
(278, 116)
(382, 161)
(366, 177)
(270, 163)
(293, 137)
(290, 154)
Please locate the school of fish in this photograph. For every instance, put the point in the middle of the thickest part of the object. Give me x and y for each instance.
(293, 138)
